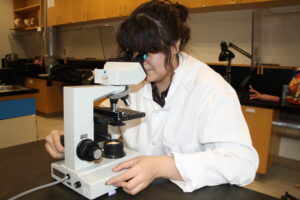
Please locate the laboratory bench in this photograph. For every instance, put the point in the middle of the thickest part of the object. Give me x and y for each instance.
(282, 105)
(268, 122)
(18, 115)
(20, 90)
(26, 166)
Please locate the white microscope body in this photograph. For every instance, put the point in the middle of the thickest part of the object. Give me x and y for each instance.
(88, 177)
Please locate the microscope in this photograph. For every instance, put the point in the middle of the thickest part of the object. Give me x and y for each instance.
(90, 151)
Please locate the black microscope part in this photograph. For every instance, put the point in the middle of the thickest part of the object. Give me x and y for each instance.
(105, 114)
(113, 149)
(86, 148)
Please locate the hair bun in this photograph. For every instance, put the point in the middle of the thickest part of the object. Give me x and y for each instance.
(183, 11)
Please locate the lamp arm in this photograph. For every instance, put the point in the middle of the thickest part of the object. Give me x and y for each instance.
(245, 53)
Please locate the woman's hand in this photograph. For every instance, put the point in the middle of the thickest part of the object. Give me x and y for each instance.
(264, 97)
(53, 144)
(254, 93)
(141, 171)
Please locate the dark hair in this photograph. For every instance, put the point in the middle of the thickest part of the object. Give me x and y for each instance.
(154, 27)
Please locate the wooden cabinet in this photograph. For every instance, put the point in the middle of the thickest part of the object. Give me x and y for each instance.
(253, 1)
(264, 139)
(102, 9)
(206, 3)
(59, 12)
(79, 10)
(28, 14)
(217, 5)
(67, 11)
(49, 100)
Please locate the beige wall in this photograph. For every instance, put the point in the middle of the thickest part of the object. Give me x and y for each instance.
(280, 38)
(6, 21)
(207, 31)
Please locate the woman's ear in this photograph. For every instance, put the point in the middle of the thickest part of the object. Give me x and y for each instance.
(175, 47)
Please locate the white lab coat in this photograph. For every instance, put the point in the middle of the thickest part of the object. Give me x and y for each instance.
(201, 125)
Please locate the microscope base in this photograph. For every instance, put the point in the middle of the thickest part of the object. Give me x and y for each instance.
(90, 181)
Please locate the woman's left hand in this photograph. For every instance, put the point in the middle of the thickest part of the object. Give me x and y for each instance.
(141, 171)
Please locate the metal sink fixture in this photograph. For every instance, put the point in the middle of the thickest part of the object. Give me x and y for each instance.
(12, 88)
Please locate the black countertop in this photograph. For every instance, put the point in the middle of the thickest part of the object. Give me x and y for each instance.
(283, 106)
(28, 165)
(18, 92)
(244, 100)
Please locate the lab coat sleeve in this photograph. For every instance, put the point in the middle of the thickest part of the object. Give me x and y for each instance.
(221, 163)
(228, 155)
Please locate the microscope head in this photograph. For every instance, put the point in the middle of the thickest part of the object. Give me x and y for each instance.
(120, 73)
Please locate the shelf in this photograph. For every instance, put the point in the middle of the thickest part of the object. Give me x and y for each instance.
(28, 8)
(25, 29)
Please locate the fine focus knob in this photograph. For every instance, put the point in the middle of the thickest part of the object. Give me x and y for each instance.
(88, 150)
(96, 153)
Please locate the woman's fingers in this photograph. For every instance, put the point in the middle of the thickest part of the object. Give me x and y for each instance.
(251, 90)
(133, 186)
(53, 153)
(57, 142)
(125, 165)
(53, 144)
(252, 96)
(129, 174)
(135, 189)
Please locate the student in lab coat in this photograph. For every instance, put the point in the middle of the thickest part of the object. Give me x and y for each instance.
(194, 132)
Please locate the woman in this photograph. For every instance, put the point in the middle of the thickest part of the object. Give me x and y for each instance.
(194, 132)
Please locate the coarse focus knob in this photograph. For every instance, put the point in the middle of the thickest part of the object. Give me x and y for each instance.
(88, 150)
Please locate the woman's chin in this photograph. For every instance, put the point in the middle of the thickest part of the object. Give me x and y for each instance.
(150, 79)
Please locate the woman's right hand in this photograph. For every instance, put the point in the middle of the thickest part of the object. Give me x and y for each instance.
(254, 93)
(53, 144)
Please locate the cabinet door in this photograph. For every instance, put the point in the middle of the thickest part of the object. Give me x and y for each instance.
(207, 3)
(252, 1)
(265, 142)
(98, 9)
(79, 10)
(190, 3)
(103, 9)
(132, 5)
(59, 12)
(204, 3)
(49, 100)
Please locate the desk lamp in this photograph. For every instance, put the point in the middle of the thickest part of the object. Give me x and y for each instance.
(227, 55)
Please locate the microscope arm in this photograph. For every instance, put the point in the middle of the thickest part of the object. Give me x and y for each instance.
(79, 118)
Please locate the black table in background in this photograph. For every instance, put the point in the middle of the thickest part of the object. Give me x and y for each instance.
(27, 166)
